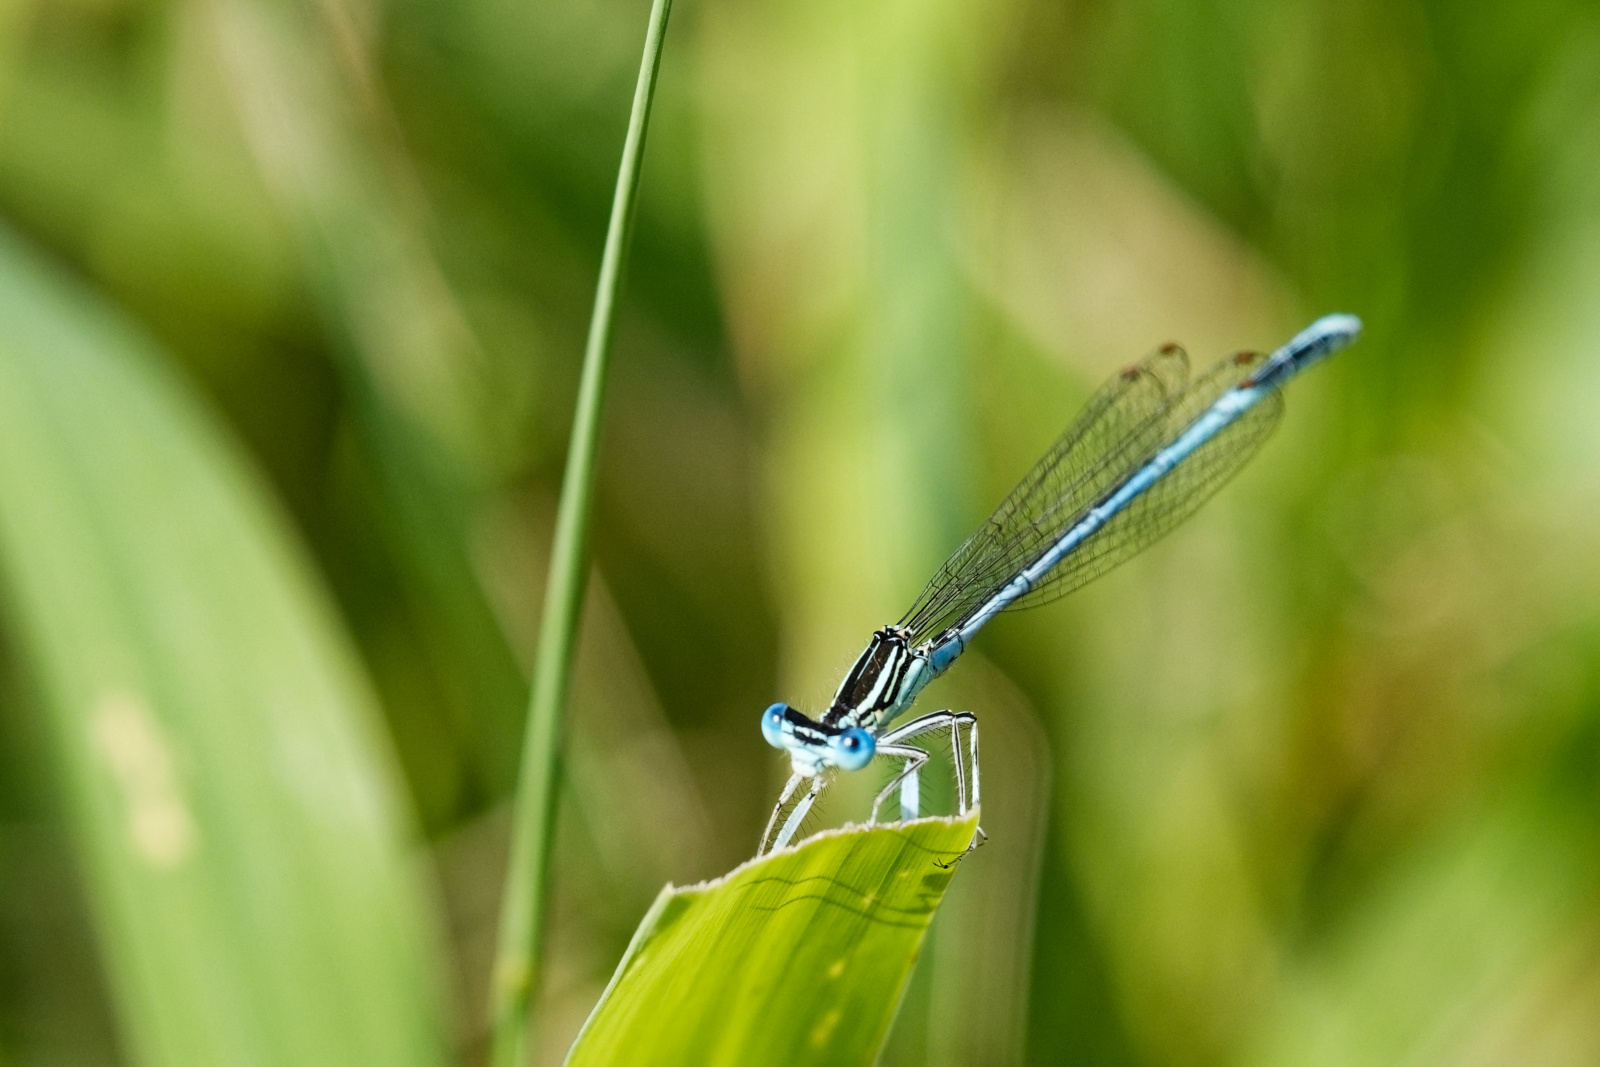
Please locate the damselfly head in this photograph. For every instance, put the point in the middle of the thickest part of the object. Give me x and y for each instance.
(812, 746)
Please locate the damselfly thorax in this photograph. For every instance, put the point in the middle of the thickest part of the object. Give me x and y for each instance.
(886, 678)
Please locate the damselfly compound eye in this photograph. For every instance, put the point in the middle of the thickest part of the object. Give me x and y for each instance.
(853, 749)
(772, 724)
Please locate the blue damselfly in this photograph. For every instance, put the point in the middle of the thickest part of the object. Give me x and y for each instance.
(1148, 449)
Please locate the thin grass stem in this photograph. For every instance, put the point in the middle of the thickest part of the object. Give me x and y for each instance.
(516, 971)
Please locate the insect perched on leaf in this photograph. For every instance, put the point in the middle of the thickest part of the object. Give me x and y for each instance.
(1149, 448)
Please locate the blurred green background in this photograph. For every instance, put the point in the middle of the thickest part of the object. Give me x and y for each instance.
(1315, 781)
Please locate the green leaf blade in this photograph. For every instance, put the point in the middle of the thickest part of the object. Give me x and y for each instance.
(234, 809)
(796, 958)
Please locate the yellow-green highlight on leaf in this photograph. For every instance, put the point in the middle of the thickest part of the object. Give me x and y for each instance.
(232, 803)
(799, 957)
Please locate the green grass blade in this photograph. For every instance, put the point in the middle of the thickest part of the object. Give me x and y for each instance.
(233, 806)
(516, 962)
(796, 958)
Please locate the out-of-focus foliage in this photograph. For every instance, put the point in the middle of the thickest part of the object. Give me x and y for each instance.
(1315, 780)
(799, 957)
(242, 847)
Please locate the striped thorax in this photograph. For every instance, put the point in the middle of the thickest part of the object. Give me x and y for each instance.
(884, 681)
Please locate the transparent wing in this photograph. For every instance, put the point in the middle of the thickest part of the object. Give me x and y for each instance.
(1164, 506)
(1091, 456)
(1127, 422)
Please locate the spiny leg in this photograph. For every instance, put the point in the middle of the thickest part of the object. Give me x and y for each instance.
(956, 762)
(792, 824)
(914, 758)
(783, 798)
(972, 740)
(910, 795)
(971, 722)
(938, 720)
(968, 796)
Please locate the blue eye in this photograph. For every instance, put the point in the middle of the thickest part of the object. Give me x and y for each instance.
(772, 724)
(853, 749)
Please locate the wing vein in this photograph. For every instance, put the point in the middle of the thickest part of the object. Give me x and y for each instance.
(1124, 425)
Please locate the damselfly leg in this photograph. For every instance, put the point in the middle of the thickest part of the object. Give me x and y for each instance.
(965, 764)
(791, 824)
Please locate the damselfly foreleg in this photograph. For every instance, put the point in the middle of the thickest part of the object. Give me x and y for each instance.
(792, 823)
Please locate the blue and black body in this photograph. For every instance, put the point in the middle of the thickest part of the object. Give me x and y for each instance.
(1149, 448)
